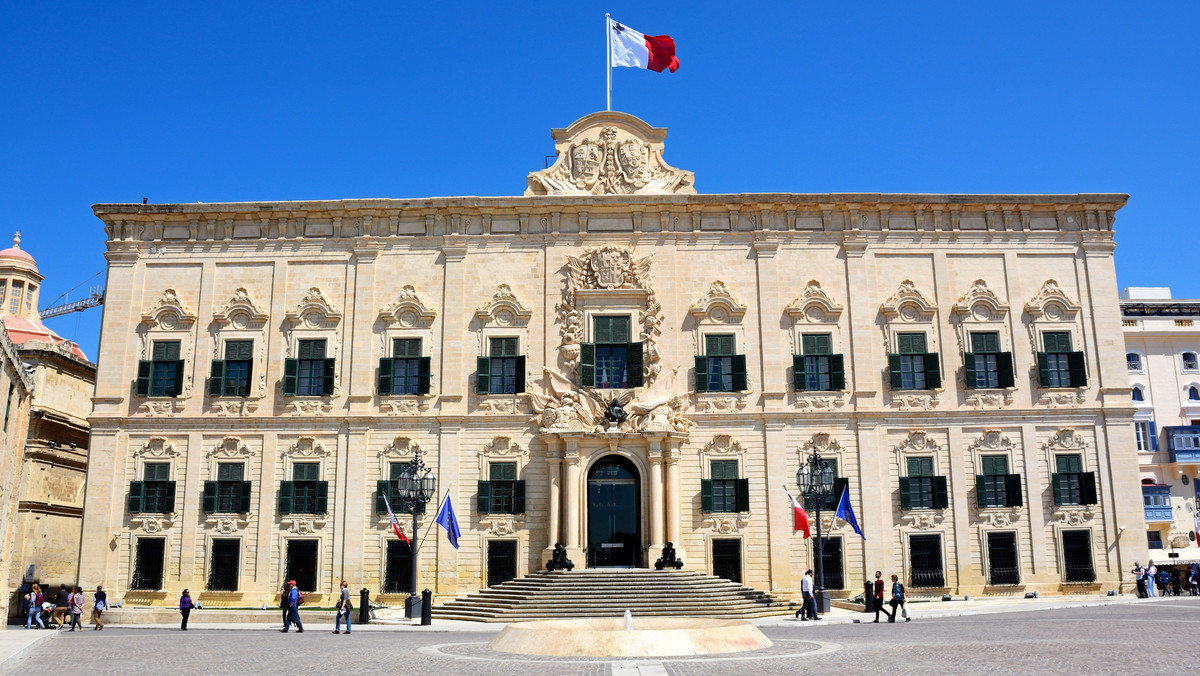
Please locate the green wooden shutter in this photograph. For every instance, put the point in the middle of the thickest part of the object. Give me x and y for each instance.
(519, 497)
(383, 489)
(169, 503)
(837, 372)
(969, 366)
(941, 496)
(177, 386)
(905, 496)
(1005, 370)
(327, 376)
(210, 496)
(137, 497)
(739, 373)
(143, 377)
(894, 372)
(216, 378)
(1075, 362)
(742, 499)
(1043, 370)
(386, 369)
(1087, 488)
(291, 376)
(636, 365)
(980, 493)
(520, 375)
(799, 379)
(483, 501)
(933, 371)
(1058, 498)
(701, 373)
(587, 365)
(287, 495)
(245, 497)
(424, 369)
(706, 495)
(322, 497)
(483, 375)
(1012, 488)
(839, 484)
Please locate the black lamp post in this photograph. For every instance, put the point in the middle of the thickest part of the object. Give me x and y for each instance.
(416, 486)
(815, 480)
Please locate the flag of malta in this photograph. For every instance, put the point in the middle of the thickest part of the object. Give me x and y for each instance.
(633, 49)
(799, 516)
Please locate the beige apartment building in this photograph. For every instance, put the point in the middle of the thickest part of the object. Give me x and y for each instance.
(1162, 342)
(267, 368)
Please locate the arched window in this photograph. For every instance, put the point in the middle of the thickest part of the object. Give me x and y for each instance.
(1193, 393)
(1191, 362)
(1138, 395)
(1134, 361)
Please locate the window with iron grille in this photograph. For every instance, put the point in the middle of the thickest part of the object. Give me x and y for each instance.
(501, 561)
(911, 367)
(817, 368)
(148, 564)
(162, 374)
(986, 365)
(223, 569)
(922, 489)
(720, 368)
(1058, 366)
(230, 377)
(727, 559)
(995, 487)
(1002, 558)
(398, 575)
(1073, 486)
(301, 564)
(502, 493)
(831, 563)
(1077, 556)
(503, 370)
(925, 558)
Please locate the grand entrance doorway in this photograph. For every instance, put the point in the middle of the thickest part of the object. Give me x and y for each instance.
(614, 514)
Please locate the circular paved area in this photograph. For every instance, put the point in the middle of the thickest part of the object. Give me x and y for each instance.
(1140, 637)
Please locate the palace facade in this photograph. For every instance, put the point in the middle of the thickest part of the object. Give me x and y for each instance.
(266, 370)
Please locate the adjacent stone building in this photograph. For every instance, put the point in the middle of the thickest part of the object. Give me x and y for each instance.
(1162, 342)
(16, 386)
(266, 369)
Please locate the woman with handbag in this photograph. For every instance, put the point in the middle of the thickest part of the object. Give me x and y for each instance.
(898, 599)
(185, 608)
(343, 610)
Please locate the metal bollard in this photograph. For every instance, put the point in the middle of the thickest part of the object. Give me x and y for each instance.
(868, 597)
(426, 608)
(364, 606)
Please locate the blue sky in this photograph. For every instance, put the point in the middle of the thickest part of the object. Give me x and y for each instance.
(229, 101)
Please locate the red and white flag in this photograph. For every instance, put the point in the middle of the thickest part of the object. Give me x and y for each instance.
(628, 47)
(799, 516)
(395, 524)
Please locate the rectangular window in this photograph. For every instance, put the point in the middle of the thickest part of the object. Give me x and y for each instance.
(235, 377)
(1073, 486)
(985, 349)
(920, 483)
(398, 578)
(503, 370)
(1154, 539)
(29, 298)
(993, 484)
(832, 565)
(910, 365)
(3, 291)
(503, 489)
(310, 378)
(1077, 556)
(229, 486)
(160, 490)
(612, 361)
(724, 491)
(925, 556)
(727, 559)
(817, 350)
(501, 561)
(223, 569)
(1058, 366)
(718, 352)
(14, 298)
(162, 374)
(309, 493)
(1002, 558)
(1146, 434)
(301, 564)
(148, 564)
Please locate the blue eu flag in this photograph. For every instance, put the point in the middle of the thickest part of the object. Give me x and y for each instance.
(846, 513)
(445, 519)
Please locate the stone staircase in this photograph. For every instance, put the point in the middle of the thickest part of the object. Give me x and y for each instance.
(608, 592)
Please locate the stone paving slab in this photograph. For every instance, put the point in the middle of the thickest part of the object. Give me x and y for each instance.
(15, 640)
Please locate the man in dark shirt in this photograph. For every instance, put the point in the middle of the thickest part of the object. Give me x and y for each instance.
(879, 597)
(60, 605)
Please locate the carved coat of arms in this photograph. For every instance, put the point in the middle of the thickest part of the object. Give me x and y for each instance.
(610, 265)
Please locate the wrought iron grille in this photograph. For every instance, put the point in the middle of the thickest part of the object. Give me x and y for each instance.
(148, 564)
(398, 579)
(1077, 556)
(501, 561)
(727, 559)
(1002, 559)
(302, 563)
(223, 570)
(925, 555)
(831, 563)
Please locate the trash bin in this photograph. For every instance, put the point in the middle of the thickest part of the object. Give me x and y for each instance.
(364, 606)
(426, 608)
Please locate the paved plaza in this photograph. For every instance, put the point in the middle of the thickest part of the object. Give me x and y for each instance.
(1157, 636)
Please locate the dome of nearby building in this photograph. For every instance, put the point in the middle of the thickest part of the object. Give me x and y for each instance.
(19, 283)
(15, 251)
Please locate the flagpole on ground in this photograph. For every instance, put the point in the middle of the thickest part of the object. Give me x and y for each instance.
(608, 60)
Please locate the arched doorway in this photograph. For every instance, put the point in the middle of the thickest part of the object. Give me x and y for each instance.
(614, 514)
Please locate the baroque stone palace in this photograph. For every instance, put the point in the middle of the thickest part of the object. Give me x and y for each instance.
(267, 368)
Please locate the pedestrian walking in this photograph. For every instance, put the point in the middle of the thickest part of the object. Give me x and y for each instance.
(76, 603)
(34, 613)
(1194, 579)
(99, 605)
(293, 600)
(185, 609)
(898, 599)
(1139, 574)
(343, 609)
(808, 611)
(60, 606)
(878, 595)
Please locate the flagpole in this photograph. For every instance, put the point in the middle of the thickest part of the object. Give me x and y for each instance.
(608, 59)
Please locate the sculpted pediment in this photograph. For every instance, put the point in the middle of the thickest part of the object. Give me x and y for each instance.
(610, 153)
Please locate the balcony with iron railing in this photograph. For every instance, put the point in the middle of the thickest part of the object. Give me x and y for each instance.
(1183, 443)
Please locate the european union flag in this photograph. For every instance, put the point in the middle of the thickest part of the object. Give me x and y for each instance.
(445, 519)
(846, 513)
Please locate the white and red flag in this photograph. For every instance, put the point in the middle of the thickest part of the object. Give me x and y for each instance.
(628, 47)
(799, 516)
(395, 525)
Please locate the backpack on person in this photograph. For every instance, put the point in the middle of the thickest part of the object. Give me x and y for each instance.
(299, 598)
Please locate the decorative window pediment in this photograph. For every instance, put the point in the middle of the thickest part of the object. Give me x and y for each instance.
(718, 305)
(1052, 303)
(919, 442)
(156, 447)
(908, 304)
(503, 309)
(723, 445)
(169, 313)
(980, 303)
(230, 448)
(307, 447)
(314, 311)
(240, 312)
(408, 310)
(814, 306)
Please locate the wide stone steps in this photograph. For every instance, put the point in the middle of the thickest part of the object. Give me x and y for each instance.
(609, 593)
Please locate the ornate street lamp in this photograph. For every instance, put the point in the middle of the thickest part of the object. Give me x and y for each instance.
(416, 486)
(815, 480)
